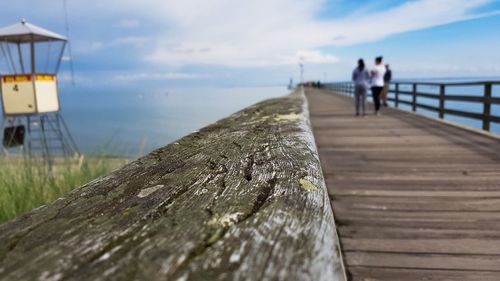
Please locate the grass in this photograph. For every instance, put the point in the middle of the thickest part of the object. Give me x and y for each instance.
(26, 184)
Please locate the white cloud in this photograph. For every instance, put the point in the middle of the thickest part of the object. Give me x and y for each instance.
(128, 23)
(262, 32)
(65, 77)
(133, 77)
(412, 15)
(128, 41)
(313, 57)
(440, 69)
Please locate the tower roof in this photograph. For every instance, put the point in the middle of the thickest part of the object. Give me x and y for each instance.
(26, 32)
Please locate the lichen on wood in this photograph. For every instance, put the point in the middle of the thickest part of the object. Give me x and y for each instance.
(242, 199)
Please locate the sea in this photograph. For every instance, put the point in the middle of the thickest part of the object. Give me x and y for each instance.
(131, 123)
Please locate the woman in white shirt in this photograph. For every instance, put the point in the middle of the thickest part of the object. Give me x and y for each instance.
(377, 78)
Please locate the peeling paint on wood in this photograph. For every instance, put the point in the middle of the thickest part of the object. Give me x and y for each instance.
(291, 116)
(307, 185)
(147, 191)
(224, 203)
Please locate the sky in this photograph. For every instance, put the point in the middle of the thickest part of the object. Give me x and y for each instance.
(157, 44)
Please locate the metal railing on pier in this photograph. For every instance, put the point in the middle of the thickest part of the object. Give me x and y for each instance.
(419, 93)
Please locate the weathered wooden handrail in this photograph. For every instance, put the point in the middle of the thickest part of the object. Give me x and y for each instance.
(487, 99)
(242, 199)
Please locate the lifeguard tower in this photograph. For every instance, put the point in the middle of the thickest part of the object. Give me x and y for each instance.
(30, 57)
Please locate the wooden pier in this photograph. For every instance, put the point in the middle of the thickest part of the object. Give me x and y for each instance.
(413, 198)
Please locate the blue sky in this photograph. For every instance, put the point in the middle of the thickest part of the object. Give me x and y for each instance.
(158, 44)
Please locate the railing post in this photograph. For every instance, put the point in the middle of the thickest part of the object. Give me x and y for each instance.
(441, 100)
(487, 106)
(396, 95)
(414, 99)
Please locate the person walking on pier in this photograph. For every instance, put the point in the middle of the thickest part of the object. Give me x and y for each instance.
(361, 78)
(387, 84)
(377, 79)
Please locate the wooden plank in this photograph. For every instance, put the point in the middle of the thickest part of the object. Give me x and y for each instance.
(423, 261)
(402, 232)
(397, 167)
(418, 193)
(456, 224)
(242, 199)
(438, 183)
(401, 175)
(416, 216)
(437, 154)
(428, 246)
(329, 132)
(417, 204)
(421, 219)
(398, 274)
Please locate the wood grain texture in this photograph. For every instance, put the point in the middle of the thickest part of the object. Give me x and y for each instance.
(413, 198)
(242, 199)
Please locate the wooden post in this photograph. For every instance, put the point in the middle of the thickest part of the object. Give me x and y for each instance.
(414, 99)
(396, 95)
(441, 100)
(487, 107)
(32, 51)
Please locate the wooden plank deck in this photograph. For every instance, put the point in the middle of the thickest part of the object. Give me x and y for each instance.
(414, 198)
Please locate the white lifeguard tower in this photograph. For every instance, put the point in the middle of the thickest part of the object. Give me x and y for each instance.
(30, 57)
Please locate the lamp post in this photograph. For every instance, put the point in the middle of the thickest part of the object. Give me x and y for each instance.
(301, 65)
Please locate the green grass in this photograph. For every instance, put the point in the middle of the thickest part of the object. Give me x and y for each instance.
(26, 184)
